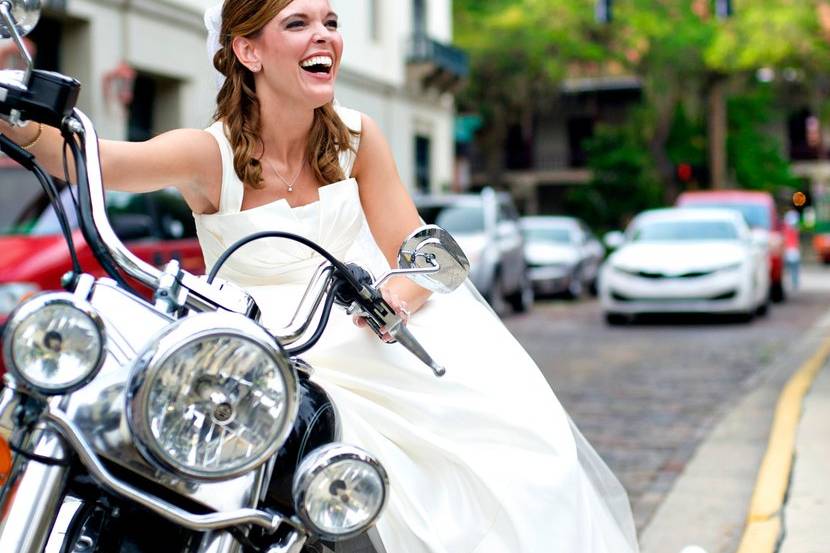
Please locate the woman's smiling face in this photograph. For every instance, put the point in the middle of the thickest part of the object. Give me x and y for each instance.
(300, 51)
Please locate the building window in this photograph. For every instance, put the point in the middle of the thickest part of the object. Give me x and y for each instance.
(374, 20)
(419, 16)
(154, 108)
(140, 118)
(422, 164)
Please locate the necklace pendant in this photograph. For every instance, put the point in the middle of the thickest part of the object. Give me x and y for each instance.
(291, 188)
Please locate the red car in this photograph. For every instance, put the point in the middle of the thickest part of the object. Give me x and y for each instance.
(762, 215)
(156, 227)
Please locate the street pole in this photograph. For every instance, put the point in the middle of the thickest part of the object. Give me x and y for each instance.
(717, 132)
(717, 122)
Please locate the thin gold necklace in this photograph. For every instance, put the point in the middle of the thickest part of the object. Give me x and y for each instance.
(290, 185)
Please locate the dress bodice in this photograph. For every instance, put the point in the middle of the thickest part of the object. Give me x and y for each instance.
(336, 222)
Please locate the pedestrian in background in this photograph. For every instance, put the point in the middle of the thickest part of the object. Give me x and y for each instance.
(792, 251)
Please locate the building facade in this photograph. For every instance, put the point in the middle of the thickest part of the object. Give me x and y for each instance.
(399, 68)
(144, 70)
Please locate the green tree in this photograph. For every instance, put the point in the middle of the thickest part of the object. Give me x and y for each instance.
(624, 178)
(522, 49)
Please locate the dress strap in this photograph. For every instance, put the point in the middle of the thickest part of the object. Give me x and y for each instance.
(352, 119)
(230, 199)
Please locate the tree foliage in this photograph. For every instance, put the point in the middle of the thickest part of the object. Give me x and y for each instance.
(521, 50)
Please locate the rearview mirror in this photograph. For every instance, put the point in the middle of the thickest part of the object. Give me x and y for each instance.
(431, 258)
(24, 15)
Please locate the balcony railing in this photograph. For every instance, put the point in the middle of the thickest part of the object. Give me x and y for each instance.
(436, 65)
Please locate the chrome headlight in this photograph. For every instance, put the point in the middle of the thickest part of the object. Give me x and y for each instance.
(339, 491)
(54, 343)
(213, 398)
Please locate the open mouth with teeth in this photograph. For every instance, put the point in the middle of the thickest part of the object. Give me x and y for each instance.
(317, 64)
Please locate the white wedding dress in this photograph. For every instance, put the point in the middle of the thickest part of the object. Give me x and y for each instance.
(483, 460)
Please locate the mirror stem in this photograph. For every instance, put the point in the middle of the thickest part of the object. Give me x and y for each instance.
(401, 272)
(6, 14)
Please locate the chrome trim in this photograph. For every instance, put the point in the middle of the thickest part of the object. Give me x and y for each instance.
(320, 459)
(9, 402)
(291, 543)
(29, 308)
(317, 288)
(212, 521)
(219, 542)
(409, 272)
(32, 508)
(179, 335)
(130, 263)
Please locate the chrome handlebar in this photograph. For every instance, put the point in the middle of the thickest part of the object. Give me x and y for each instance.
(200, 295)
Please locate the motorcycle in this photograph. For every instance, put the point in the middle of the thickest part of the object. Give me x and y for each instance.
(180, 423)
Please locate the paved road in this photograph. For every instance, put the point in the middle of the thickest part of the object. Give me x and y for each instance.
(646, 394)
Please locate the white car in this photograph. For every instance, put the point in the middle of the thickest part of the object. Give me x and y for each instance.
(486, 227)
(684, 260)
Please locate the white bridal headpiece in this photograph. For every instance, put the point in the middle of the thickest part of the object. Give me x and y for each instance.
(213, 24)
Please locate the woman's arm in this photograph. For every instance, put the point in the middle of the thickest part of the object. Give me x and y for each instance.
(389, 209)
(187, 159)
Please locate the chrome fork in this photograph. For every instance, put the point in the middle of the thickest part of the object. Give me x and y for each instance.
(32, 494)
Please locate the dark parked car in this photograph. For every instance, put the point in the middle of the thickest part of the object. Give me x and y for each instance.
(562, 253)
(486, 227)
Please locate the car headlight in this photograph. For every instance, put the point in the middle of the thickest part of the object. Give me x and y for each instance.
(731, 267)
(339, 491)
(12, 293)
(213, 397)
(54, 343)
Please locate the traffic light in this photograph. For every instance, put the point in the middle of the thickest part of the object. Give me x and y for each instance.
(723, 8)
(604, 11)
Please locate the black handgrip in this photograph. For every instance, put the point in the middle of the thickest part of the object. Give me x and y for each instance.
(347, 295)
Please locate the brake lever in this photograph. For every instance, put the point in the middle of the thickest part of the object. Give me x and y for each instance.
(381, 316)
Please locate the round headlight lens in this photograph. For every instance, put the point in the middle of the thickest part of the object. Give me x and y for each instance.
(54, 344)
(339, 491)
(216, 406)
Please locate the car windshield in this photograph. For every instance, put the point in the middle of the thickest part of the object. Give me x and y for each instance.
(662, 231)
(756, 215)
(559, 235)
(39, 219)
(457, 219)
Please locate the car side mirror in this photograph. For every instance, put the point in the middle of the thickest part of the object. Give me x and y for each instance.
(614, 239)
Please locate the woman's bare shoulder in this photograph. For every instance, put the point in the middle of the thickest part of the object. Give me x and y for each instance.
(373, 148)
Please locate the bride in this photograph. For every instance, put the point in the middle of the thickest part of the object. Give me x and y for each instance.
(483, 460)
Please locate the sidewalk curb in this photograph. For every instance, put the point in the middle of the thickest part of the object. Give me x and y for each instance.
(709, 501)
(764, 528)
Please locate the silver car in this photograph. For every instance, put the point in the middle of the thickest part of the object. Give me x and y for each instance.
(562, 254)
(486, 227)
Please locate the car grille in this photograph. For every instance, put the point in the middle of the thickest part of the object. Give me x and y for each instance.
(655, 276)
(731, 294)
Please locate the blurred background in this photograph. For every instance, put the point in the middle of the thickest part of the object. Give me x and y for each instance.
(642, 187)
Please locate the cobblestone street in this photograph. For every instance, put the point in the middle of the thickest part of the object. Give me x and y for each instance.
(646, 394)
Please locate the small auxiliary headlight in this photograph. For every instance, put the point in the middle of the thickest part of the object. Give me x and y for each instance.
(339, 491)
(54, 343)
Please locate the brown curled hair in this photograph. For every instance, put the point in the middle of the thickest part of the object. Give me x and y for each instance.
(237, 104)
